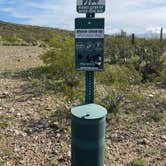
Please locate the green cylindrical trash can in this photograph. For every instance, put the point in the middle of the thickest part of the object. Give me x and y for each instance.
(88, 135)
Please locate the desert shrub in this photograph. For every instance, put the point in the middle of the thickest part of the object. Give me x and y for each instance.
(163, 77)
(62, 116)
(10, 38)
(36, 73)
(60, 58)
(144, 56)
(118, 49)
(2, 162)
(154, 115)
(60, 61)
(137, 162)
(120, 75)
(112, 102)
(54, 162)
(5, 120)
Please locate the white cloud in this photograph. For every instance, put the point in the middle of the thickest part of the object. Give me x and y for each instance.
(154, 30)
(135, 16)
(131, 15)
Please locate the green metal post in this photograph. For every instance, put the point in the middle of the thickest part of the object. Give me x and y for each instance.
(89, 94)
(89, 77)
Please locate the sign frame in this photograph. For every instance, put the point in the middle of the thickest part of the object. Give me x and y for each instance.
(89, 47)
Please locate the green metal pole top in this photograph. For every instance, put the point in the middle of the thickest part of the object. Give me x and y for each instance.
(89, 111)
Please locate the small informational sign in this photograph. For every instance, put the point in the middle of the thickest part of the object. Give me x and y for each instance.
(89, 44)
(90, 6)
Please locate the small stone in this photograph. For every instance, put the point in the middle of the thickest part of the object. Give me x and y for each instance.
(55, 152)
(16, 149)
(4, 95)
(69, 154)
(43, 141)
(40, 126)
(17, 132)
(58, 135)
(57, 105)
(49, 144)
(11, 110)
(116, 137)
(24, 134)
(21, 162)
(54, 125)
(164, 144)
(151, 95)
(18, 114)
(163, 137)
(48, 109)
(143, 141)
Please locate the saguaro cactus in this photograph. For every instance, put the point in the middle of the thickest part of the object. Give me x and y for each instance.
(133, 39)
(161, 34)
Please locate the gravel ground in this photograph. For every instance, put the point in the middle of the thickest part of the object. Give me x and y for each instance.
(31, 134)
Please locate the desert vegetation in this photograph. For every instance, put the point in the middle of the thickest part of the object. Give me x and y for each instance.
(39, 85)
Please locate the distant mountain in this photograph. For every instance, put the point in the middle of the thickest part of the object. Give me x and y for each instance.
(150, 35)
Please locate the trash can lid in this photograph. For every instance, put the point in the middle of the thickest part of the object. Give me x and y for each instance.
(89, 111)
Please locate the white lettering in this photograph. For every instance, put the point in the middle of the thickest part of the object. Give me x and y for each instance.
(89, 33)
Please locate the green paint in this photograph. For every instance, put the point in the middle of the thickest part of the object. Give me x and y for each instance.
(88, 135)
(89, 44)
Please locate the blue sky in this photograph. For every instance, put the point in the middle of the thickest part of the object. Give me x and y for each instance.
(137, 16)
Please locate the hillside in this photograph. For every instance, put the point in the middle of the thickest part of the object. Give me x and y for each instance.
(12, 33)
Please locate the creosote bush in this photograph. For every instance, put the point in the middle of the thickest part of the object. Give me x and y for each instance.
(62, 116)
(137, 162)
(112, 102)
(60, 60)
(163, 77)
(119, 75)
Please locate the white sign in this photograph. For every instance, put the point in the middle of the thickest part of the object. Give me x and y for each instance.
(90, 6)
(89, 33)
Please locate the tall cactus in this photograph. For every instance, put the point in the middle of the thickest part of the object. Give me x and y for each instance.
(133, 39)
(161, 34)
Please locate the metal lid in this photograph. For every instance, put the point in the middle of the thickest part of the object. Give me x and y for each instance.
(89, 111)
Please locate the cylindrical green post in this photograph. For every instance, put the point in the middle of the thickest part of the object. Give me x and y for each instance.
(88, 135)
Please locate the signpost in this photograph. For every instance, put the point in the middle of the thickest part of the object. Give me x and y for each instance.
(89, 120)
